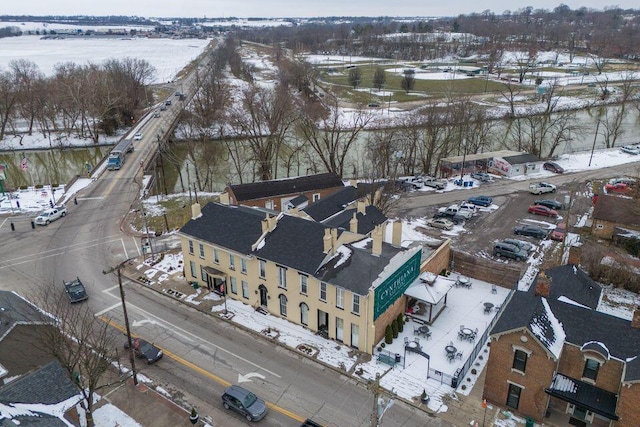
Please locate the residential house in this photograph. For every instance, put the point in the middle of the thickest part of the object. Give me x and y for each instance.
(554, 355)
(614, 215)
(337, 281)
(277, 194)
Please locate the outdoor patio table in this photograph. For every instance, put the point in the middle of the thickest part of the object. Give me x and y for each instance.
(467, 332)
(464, 281)
(423, 329)
(450, 349)
(488, 306)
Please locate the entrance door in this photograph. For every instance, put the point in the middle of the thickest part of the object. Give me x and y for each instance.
(355, 335)
(323, 323)
(339, 329)
(263, 295)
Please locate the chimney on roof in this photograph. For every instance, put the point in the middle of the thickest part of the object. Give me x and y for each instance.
(224, 198)
(326, 241)
(376, 235)
(334, 238)
(267, 224)
(353, 224)
(635, 321)
(196, 212)
(353, 183)
(396, 234)
(543, 285)
(361, 205)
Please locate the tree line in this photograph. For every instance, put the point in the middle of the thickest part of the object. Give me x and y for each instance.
(83, 101)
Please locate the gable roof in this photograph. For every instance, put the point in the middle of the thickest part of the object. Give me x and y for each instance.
(616, 209)
(16, 310)
(332, 204)
(278, 187)
(366, 222)
(232, 227)
(581, 325)
(48, 389)
(572, 283)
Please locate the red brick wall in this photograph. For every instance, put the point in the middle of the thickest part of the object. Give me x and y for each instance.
(538, 374)
(628, 409)
(572, 364)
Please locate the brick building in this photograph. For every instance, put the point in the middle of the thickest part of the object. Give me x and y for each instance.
(276, 194)
(612, 212)
(553, 354)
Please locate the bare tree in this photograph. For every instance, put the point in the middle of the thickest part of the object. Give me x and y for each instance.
(379, 78)
(408, 80)
(9, 96)
(82, 343)
(355, 77)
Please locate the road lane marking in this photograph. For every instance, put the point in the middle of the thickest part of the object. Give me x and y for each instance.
(101, 312)
(115, 236)
(110, 289)
(198, 338)
(205, 373)
(124, 248)
(135, 242)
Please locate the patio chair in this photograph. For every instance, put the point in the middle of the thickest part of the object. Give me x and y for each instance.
(406, 341)
(494, 290)
(428, 335)
(474, 334)
(459, 355)
(451, 357)
(416, 330)
(487, 310)
(461, 335)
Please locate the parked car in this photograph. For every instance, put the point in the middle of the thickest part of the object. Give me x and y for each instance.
(619, 187)
(509, 251)
(530, 231)
(244, 402)
(438, 184)
(559, 232)
(48, 216)
(145, 350)
(542, 210)
(167, 102)
(551, 204)
(442, 223)
(542, 187)
(525, 246)
(137, 136)
(552, 167)
(75, 290)
(481, 176)
(481, 200)
(624, 180)
(156, 114)
(631, 149)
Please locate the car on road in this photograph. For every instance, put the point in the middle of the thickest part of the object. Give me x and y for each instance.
(542, 187)
(156, 114)
(137, 136)
(552, 167)
(509, 251)
(559, 232)
(48, 216)
(631, 149)
(75, 290)
(481, 176)
(167, 102)
(244, 402)
(619, 187)
(145, 350)
(550, 203)
(530, 231)
(542, 210)
(484, 201)
(163, 108)
(442, 223)
(525, 246)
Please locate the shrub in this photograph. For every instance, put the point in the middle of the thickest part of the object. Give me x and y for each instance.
(400, 320)
(394, 328)
(382, 345)
(388, 335)
(473, 371)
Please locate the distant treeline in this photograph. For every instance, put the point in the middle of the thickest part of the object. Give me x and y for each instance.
(10, 32)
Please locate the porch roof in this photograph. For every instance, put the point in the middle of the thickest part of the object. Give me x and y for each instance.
(583, 394)
(428, 290)
(212, 272)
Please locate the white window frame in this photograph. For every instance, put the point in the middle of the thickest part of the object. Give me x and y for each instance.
(243, 265)
(262, 268)
(339, 297)
(316, 197)
(232, 262)
(245, 289)
(192, 267)
(201, 250)
(282, 299)
(323, 290)
(355, 304)
(191, 250)
(234, 285)
(282, 277)
(304, 284)
(216, 256)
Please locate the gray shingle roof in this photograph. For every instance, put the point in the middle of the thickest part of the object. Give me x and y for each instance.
(332, 204)
(573, 283)
(48, 385)
(14, 309)
(522, 158)
(581, 325)
(232, 227)
(366, 222)
(278, 187)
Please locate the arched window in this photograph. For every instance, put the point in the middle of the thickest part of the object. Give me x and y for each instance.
(283, 305)
(304, 314)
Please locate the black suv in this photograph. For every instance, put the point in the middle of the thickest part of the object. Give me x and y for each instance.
(549, 203)
(509, 251)
(75, 290)
(531, 231)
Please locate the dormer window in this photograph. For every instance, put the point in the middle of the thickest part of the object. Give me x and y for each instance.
(591, 367)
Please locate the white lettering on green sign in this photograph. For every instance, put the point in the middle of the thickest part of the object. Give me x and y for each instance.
(395, 285)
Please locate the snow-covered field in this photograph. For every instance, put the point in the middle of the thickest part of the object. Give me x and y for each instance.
(167, 56)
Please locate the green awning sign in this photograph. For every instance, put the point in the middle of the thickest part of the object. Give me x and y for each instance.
(391, 289)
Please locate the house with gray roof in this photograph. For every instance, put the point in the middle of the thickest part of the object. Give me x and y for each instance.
(555, 356)
(344, 277)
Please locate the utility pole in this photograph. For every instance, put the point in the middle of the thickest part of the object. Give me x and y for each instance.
(379, 404)
(132, 357)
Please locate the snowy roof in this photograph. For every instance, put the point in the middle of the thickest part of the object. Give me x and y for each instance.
(572, 283)
(16, 310)
(366, 222)
(431, 293)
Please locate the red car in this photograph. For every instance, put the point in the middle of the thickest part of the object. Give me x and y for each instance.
(619, 187)
(542, 210)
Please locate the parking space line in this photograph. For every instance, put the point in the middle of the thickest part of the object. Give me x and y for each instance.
(101, 312)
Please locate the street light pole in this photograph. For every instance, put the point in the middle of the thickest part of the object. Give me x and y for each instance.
(464, 158)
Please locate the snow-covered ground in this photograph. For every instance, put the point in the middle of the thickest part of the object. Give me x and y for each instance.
(167, 56)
